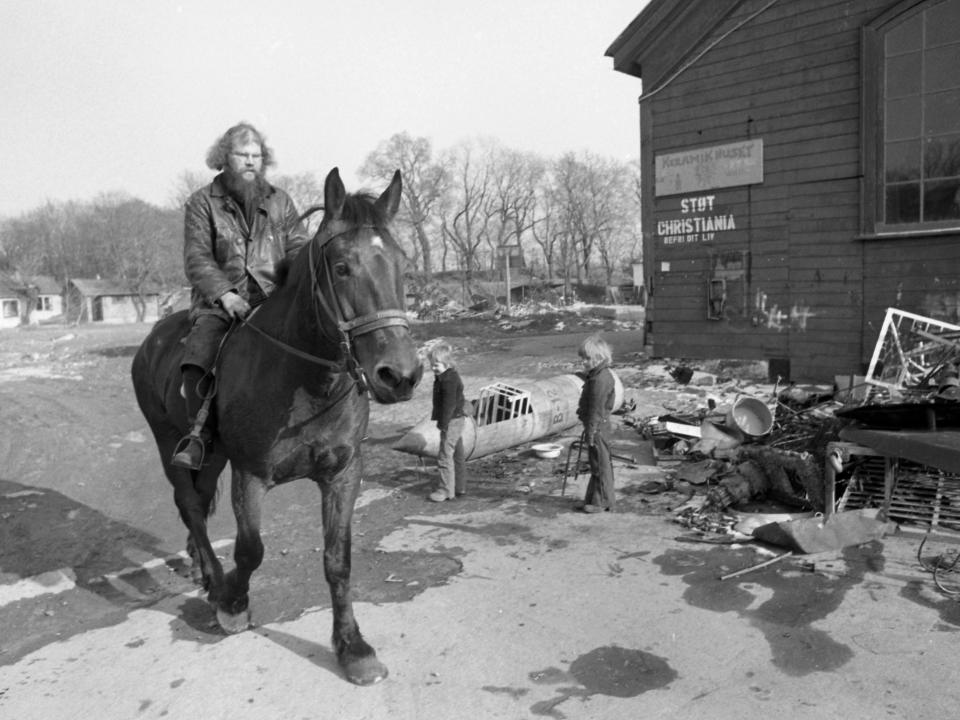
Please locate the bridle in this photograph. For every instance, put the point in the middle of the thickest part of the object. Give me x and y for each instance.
(347, 329)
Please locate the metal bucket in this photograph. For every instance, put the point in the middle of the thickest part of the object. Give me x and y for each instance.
(751, 417)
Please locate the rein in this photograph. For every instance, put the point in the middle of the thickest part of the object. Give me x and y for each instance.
(290, 348)
(348, 330)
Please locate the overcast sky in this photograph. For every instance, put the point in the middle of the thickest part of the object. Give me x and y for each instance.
(124, 95)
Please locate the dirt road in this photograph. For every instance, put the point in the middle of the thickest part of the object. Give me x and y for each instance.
(506, 604)
(82, 494)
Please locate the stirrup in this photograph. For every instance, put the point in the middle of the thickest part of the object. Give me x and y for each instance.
(182, 456)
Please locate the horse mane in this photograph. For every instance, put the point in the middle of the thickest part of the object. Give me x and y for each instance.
(361, 209)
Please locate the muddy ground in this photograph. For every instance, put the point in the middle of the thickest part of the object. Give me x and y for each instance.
(507, 602)
(81, 486)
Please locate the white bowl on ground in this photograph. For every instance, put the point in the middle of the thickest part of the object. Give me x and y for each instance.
(547, 451)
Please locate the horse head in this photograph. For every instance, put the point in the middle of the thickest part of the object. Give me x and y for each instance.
(358, 267)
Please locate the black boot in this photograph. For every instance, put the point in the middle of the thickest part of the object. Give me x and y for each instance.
(192, 448)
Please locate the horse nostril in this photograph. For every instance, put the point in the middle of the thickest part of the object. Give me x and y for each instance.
(388, 376)
(391, 377)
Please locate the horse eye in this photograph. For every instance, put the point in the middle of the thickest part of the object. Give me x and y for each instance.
(341, 269)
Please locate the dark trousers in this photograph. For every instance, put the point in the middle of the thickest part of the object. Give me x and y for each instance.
(203, 341)
(600, 487)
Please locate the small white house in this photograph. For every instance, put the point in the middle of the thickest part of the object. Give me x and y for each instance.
(49, 299)
(11, 303)
(109, 301)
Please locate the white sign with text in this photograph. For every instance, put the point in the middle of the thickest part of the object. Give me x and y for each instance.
(706, 168)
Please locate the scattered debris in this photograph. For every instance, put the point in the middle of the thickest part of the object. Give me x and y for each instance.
(819, 534)
(758, 566)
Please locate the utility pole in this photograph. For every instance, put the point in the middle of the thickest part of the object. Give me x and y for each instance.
(506, 253)
(507, 258)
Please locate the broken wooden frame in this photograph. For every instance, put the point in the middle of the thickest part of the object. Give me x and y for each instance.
(910, 350)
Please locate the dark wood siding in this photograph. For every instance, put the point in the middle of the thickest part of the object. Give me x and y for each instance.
(811, 289)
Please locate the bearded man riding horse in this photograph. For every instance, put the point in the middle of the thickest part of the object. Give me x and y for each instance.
(236, 231)
(292, 378)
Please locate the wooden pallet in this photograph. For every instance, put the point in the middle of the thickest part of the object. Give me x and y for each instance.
(921, 495)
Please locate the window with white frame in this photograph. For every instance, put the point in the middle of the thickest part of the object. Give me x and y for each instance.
(912, 119)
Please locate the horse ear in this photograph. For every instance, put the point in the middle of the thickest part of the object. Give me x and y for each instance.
(389, 202)
(334, 194)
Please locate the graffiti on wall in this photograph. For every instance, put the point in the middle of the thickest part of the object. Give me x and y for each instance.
(769, 314)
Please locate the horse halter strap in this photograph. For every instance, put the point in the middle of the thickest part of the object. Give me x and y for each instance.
(355, 327)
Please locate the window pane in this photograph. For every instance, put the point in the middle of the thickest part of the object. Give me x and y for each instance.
(941, 112)
(903, 75)
(903, 119)
(942, 21)
(904, 37)
(942, 64)
(941, 200)
(902, 161)
(941, 156)
(903, 203)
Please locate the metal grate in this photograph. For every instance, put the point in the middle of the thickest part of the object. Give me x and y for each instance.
(499, 401)
(921, 495)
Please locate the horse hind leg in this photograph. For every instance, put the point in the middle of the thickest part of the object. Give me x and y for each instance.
(357, 658)
(193, 494)
(233, 606)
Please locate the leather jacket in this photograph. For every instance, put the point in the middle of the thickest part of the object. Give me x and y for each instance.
(222, 253)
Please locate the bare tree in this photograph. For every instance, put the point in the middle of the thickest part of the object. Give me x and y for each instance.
(465, 216)
(306, 192)
(424, 184)
(546, 227)
(135, 244)
(512, 203)
(186, 184)
(595, 207)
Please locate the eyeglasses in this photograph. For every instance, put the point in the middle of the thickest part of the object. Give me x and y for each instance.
(248, 156)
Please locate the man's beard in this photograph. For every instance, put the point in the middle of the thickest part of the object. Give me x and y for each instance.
(248, 194)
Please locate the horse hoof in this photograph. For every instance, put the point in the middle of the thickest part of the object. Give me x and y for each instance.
(366, 671)
(233, 624)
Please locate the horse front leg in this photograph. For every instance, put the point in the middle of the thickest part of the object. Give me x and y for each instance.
(233, 603)
(358, 660)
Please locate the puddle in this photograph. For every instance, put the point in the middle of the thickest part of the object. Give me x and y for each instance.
(611, 670)
(796, 603)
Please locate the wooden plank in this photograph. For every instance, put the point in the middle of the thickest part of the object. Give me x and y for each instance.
(808, 84)
(727, 120)
(939, 449)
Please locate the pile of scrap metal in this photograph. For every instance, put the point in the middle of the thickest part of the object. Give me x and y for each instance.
(777, 458)
(913, 379)
(761, 473)
(915, 355)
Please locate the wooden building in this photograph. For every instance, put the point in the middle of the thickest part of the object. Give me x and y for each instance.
(47, 299)
(801, 174)
(28, 300)
(11, 303)
(111, 302)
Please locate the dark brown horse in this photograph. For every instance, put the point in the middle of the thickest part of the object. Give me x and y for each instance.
(292, 402)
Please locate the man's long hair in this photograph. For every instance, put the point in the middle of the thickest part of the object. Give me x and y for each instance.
(241, 132)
